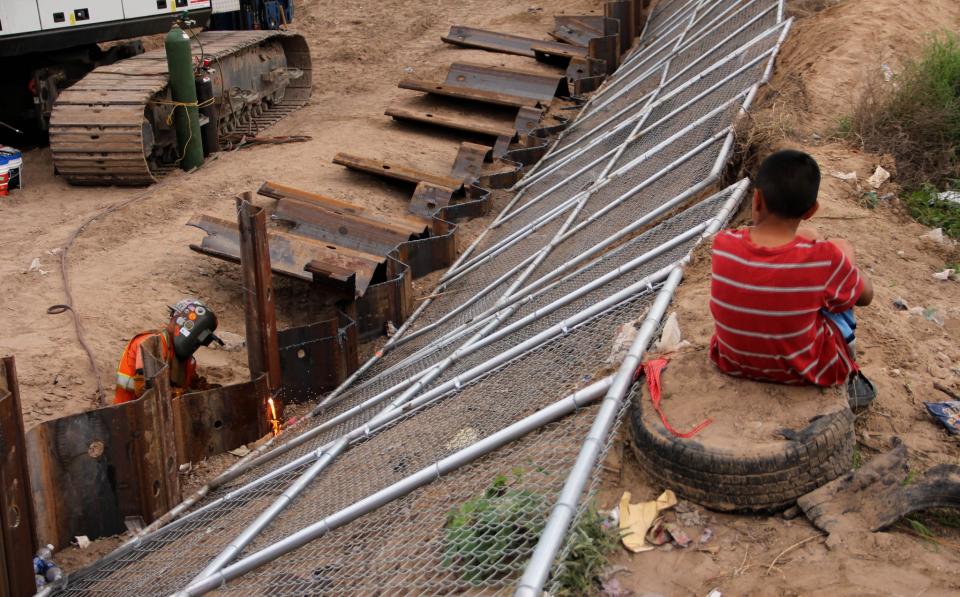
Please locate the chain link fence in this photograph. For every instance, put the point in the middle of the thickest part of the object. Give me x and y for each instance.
(541, 308)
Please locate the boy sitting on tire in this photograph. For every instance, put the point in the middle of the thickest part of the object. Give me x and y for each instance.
(781, 297)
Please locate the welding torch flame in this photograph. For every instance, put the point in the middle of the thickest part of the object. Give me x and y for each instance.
(272, 412)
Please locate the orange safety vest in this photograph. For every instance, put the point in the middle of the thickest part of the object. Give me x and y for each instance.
(130, 380)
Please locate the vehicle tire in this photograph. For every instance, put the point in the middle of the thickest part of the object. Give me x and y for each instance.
(743, 475)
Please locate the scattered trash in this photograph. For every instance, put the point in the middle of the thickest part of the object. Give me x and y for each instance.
(715, 593)
(935, 235)
(871, 199)
(81, 541)
(240, 452)
(462, 438)
(945, 275)
(409, 69)
(951, 196)
(636, 519)
(670, 338)
(900, 305)
(390, 329)
(705, 536)
(948, 413)
(933, 314)
(35, 267)
(611, 586)
(879, 176)
(688, 515)
(621, 343)
(887, 72)
(678, 535)
(134, 524)
(186, 467)
(847, 176)
(44, 569)
(535, 9)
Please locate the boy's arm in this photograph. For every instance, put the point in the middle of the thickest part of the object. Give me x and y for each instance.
(866, 296)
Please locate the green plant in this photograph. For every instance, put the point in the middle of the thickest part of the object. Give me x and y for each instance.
(925, 207)
(488, 532)
(591, 541)
(916, 117)
(857, 457)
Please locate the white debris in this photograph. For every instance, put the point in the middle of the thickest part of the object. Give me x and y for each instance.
(82, 541)
(878, 177)
(35, 265)
(848, 176)
(391, 329)
(240, 452)
(621, 343)
(887, 72)
(951, 196)
(945, 274)
(670, 337)
(935, 235)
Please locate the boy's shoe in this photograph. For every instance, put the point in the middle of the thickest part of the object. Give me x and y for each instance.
(860, 392)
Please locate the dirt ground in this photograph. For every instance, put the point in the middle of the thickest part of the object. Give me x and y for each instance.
(128, 266)
(833, 48)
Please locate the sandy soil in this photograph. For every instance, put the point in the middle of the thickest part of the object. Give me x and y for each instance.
(832, 50)
(126, 267)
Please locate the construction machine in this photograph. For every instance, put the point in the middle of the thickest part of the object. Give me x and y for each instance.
(105, 104)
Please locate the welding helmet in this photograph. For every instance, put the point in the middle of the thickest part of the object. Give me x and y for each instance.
(191, 326)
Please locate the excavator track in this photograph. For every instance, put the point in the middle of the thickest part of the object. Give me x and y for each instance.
(114, 126)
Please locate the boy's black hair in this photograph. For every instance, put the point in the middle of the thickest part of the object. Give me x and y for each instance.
(789, 181)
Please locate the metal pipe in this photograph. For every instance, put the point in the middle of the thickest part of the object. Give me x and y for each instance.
(542, 417)
(538, 568)
(250, 533)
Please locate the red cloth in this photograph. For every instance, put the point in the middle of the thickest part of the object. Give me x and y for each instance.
(766, 303)
(653, 369)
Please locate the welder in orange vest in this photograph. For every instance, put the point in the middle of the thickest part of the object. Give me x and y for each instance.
(191, 326)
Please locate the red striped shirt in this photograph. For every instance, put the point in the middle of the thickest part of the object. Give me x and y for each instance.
(766, 303)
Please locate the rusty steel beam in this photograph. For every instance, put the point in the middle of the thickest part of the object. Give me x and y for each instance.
(428, 198)
(395, 171)
(450, 120)
(623, 12)
(578, 30)
(468, 165)
(263, 353)
(493, 41)
(17, 518)
(498, 79)
(464, 92)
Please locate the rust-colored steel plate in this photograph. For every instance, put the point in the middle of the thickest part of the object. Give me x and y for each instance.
(451, 120)
(213, 421)
(98, 467)
(464, 92)
(494, 41)
(395, 171)
(538, 86)
(428, 198)
(17, 517)
(289, 253)
(316, 358)
(468, 164)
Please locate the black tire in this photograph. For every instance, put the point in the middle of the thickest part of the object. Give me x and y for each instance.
(760, 480)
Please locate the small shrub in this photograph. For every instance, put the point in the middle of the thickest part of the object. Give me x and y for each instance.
(925, 207)
(591, 542)
(916, 117)
(488, 532)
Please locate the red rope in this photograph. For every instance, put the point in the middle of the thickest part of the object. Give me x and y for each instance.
(653, 370)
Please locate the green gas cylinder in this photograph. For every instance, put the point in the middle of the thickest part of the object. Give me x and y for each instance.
(184, 91)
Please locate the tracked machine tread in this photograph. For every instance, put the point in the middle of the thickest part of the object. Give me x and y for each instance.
(113, 127)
